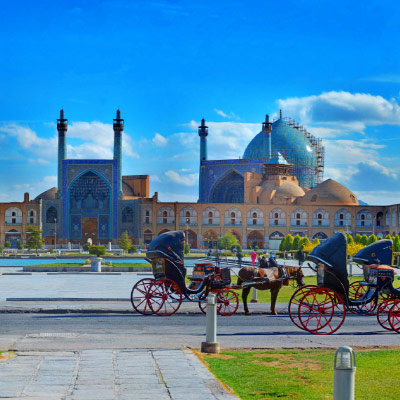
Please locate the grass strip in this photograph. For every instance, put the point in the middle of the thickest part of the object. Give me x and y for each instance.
(303, 374)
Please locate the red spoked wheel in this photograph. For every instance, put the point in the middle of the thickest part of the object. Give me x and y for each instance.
(321, 311)
(139, 296)
(165, 297)
(369, 307)
(394, 317)
(203, 302)
(227, 302)
(383, 313)
(294, 304)
(353, 287)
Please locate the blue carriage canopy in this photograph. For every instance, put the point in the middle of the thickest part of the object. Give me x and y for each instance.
(379, 252)
(168, 245)
(333, 253)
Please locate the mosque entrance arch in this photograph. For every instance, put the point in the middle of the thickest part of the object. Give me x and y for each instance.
(255, 238)
(228, 189)
(89, 198)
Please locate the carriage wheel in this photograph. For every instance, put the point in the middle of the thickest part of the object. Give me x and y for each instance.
(139, 296)
(321, 311)
(394, 317)
(165, 297)
(294, 304)
(383, 313)
(366, 308)
(203, 302)
(353, 288)
(227, 302)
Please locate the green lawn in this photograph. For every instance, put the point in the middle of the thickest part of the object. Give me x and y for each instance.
(69, 265)
(303, 374)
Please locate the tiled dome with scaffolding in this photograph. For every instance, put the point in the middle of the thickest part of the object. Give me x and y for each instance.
(236, 181)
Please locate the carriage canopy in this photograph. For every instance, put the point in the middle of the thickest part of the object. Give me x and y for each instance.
(168, 245)
(379, 252)
(333, 253)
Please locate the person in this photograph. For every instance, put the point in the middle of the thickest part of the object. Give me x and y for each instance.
(263, 262)
(300, 255)
(253, 257)
(239, 257)
(272, 261)
(259, 261)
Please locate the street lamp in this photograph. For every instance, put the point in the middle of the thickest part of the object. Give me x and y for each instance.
(187, 229)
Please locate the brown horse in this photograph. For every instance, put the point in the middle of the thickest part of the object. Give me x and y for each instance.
(252, 274)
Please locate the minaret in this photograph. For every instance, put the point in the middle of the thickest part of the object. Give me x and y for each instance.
(62, 127)
(203, 133)
(118, 129)
(267, 129)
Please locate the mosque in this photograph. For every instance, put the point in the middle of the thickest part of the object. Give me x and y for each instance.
(276, 188)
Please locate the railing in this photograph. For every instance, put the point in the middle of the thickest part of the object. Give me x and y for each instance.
(13, 223)
(165, 221)
(259, 221)
(271, 223)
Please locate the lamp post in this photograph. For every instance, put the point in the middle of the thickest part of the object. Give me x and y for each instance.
(55, 234)
(187, 229)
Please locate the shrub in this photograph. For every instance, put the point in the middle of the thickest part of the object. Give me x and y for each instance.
(86, 247)
(187, 248)
(133, 249)
(7, 244)
(238, 248)
(1, 249)
(98, 250)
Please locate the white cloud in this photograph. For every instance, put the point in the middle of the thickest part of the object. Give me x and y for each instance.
(36, 187)
(186, 180)
(40, 161)
(181, 197)
(159, 140)
(154, 178)
(220, 112)
(349, 111)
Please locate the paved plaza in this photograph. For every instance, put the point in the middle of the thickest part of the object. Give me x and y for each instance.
(108, 375)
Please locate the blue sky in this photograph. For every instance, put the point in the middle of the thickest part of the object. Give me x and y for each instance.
(332, 65)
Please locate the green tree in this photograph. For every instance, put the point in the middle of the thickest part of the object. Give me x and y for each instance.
(227, 241)
(289, 242)
(388, 236)
(316, 242)
(1, 249)
(98, 250)
(305, 241)
(396, 244)
(34, 240)
(125, 242)
(364, 239)
(7, 244)
(296, 241)
(357, 239)
(282, 244)
(372, 239)
(20, 246)
(349, 238)
(133, 249)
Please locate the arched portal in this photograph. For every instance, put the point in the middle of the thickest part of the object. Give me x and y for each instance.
(228, 189)
(210, 239)
(255, 238)
(191, 238)
(90, 208)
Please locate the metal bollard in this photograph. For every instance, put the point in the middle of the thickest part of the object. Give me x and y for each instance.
(254, 298)
(211, 345)
(345, 371)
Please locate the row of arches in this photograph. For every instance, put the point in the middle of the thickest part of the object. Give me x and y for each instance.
(255, 216)
(210, 238)
(13, 216)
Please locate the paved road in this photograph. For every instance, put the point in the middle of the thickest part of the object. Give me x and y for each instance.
(26, 332)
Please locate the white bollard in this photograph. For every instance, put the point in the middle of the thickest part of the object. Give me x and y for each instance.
(345, 371)
(211, 345)
(95, 264)
(254, 298)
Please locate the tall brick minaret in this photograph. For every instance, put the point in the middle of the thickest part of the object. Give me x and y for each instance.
(267, 129)
(62, 127)
(118, 129)
(203, 133)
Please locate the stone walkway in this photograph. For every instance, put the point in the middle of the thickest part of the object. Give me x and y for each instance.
(108, 375)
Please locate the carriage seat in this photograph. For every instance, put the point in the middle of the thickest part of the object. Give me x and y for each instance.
(381, 267)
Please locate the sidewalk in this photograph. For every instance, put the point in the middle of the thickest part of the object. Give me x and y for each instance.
(108, 375)
(100, 306)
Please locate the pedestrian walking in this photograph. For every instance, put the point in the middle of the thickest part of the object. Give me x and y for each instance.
(253, 257)
(300, 256)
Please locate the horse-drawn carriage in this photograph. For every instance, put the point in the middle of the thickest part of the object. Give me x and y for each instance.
(321, 309)
(164, 294)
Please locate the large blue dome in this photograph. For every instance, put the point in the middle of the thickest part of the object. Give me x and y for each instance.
(293, 144)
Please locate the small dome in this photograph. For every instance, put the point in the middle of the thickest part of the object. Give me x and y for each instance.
(50, 194)
(289, 189)
(268, 190)
(329, 192)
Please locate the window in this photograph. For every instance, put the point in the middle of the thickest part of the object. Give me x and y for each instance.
(147, 217)
(254, 218)
(233, 216)
(13, 214)
(210, 217)
(31, 220)
(165, 219)
(298, 216)
(14, 220)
